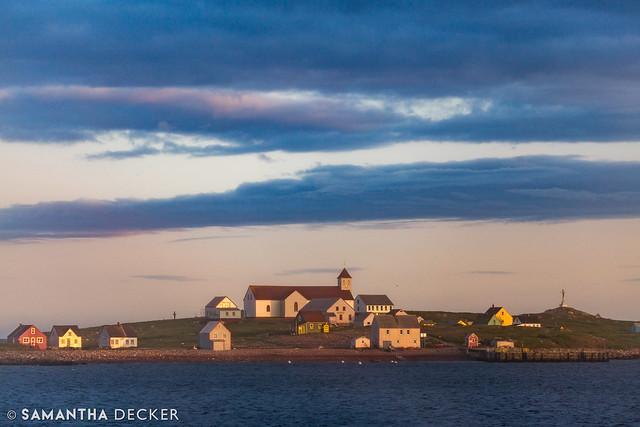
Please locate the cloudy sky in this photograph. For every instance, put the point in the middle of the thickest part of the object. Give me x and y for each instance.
(153, 154)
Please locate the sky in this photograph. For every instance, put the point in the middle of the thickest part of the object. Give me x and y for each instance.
(155, 154)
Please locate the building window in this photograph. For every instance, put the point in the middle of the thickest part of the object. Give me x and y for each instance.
(400, 331)
(295, 306)
(341, 317)
(33, 331)
(215, 335)
(350, 317)
(268, 308)
(25, 340)
(344, 308)
(311, 325)
(408, 331)
(387, 332)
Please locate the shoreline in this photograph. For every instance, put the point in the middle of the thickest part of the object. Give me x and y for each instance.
(283, 355)
(78, 357)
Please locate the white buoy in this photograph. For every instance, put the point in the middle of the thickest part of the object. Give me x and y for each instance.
(289, 362)
(342, 361)
(359, 363)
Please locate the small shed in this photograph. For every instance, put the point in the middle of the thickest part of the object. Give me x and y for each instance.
(361, 342)
(472, 340)
(502, 343)
(215, 336)
(364, 319)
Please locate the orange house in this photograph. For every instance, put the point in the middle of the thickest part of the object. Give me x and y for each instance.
(28, 335)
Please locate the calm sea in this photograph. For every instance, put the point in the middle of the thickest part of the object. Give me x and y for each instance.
(303, 394)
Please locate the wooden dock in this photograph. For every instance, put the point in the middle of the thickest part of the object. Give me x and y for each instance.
(538, 355)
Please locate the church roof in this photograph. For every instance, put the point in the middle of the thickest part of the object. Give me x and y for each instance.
(344, 274)
(269, 292)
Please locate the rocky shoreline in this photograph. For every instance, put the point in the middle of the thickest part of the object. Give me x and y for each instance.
(283, 355)
(73, 357)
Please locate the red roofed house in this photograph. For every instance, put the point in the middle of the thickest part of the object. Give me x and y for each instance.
(28, 335)
(287, 301)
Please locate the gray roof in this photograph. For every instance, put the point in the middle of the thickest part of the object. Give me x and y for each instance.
(217, 300)
(62, 329)
(375, 299)
(211, 326)
(120, 331)
(390, 322)
(319, 304)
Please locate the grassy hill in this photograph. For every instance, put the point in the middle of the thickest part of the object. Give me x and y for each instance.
(247, 333)
(561, 327)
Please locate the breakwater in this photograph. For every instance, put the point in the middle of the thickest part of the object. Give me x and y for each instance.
(549, 355)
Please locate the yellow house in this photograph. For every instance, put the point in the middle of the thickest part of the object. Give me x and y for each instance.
(310, 322)
(497, 316)
(65, 336)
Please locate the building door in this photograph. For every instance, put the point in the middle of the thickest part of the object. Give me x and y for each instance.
(386, 344)
(218, 346)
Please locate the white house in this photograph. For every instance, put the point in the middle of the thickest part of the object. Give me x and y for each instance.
(377, 304)
(215, 336)
(364, 319)
(222, 308)
(361, 342)
(336, 310)
(117, 336)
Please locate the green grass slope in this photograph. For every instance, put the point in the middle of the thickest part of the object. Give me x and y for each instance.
(561, 327)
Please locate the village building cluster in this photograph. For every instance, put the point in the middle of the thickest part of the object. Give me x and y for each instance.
(69, 337)
(311, 310)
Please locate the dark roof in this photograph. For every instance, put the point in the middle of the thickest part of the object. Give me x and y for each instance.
(319, 304)
(211, 326)
(311, 316)
(376, 299)
(269, 292)
(362, 316)
(492, 311)
(19, 331)
(62, 329)
(217, 300)
(388, 321)
(395, 311)
(344, 274)
(120, 331)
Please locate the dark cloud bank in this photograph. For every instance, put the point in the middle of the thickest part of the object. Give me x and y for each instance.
(519, 189)
(544, 71)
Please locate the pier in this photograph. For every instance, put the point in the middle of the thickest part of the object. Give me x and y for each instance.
(539, 355)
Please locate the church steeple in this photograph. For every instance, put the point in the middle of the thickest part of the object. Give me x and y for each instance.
(344, 280)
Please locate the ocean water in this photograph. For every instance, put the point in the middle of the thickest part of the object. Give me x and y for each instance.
(333, 394)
